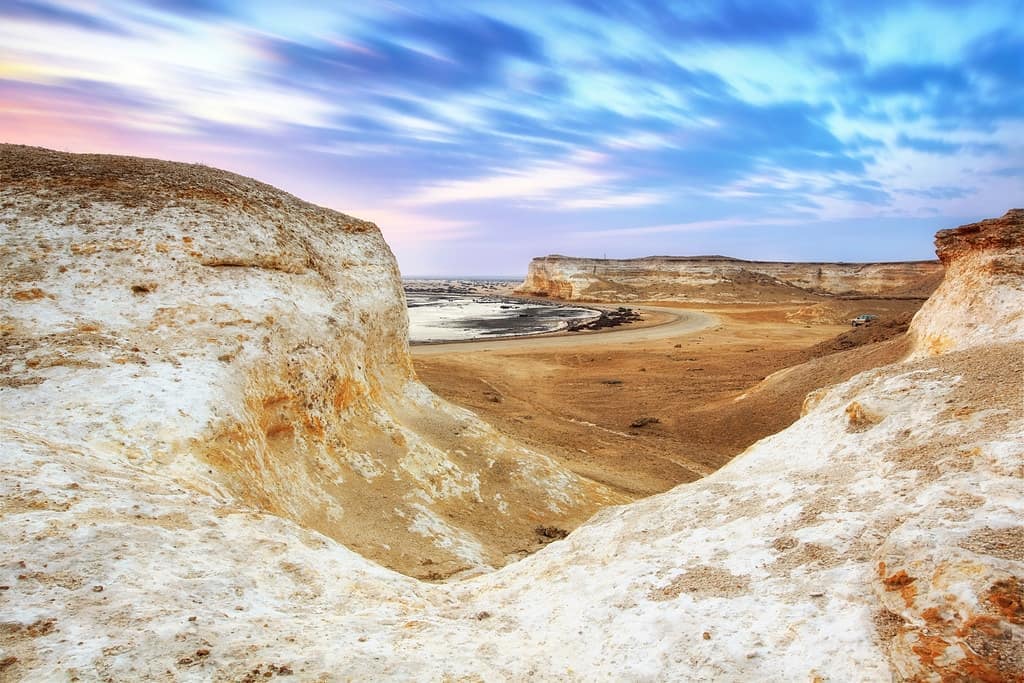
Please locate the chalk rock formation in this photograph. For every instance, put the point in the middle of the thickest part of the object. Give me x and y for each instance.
(879, 536)
(721, 279)
(980, 301)
(206, 328)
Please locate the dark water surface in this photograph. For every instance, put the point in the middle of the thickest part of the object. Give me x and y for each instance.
(440, 316)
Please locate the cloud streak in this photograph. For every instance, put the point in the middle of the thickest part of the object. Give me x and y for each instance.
(506, 128)
(537, 183)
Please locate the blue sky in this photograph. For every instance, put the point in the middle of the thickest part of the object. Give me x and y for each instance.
(480, 134)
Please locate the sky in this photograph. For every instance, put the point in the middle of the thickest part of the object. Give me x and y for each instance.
(480, 134)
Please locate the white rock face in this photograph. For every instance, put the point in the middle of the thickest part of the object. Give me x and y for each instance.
(717, 279)
(206, 328)
(879, 536)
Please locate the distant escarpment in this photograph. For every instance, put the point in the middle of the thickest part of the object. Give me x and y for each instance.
(181, 321)
(723, 279)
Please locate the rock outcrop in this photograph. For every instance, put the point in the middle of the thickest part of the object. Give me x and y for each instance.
(722, 279)
(981, 299)
(206, 328)
(879, 536)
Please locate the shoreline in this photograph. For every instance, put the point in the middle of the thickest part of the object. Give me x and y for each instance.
(562, 326)
(667, 323)
(663, 316)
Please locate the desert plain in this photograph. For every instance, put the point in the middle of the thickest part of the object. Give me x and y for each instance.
(672, 397)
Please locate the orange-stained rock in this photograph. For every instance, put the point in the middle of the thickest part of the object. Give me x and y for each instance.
(1004, 234)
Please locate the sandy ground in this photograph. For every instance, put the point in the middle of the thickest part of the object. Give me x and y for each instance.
(697, 371)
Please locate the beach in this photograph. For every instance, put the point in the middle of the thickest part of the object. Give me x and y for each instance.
(442, 317)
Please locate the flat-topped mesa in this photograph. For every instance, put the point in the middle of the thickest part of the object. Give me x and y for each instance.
(206, 327)
(981, 299)
(723, 279)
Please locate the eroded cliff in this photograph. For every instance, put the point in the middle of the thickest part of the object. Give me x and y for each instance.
(879, 536)
(199, 325)
(721, 279)
(980, 301)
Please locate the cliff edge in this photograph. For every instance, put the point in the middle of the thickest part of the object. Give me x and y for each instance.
(980, 300)
(710, 279)
(200, 326)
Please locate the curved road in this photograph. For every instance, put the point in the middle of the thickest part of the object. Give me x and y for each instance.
(683, 323)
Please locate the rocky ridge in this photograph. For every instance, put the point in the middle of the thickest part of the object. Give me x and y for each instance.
(721, 279)
(879, 536)
(215, 331)
(985, 262)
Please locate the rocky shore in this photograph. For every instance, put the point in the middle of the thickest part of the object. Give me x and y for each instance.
(442, 316)
(606, 320)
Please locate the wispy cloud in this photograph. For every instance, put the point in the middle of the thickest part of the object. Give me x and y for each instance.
(55, 13)
(544, 181)
(670, 228)
(525, 124)
(611, 200)
(929, 145)
(408, 228)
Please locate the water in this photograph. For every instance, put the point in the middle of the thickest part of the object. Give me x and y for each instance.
(438, 316)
